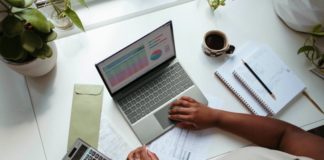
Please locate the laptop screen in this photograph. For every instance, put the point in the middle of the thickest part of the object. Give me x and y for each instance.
(138, 58)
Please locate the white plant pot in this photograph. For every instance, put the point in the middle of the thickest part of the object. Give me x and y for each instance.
(300, 15)
(37, 67)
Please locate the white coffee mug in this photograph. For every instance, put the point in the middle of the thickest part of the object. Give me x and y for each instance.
(215, 43)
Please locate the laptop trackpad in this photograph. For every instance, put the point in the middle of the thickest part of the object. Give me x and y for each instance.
(162, 117)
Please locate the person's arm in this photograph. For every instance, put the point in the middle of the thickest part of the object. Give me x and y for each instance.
(263, 131)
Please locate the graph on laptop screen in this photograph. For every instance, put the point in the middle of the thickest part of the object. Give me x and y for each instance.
(138, 58)
(126, 66)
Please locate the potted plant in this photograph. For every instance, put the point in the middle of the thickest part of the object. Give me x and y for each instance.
(63, 12)
(313, 49)
(302, 16)
(214, 4)
(24, 38)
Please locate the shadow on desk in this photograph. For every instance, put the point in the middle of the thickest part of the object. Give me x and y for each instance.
(318, 131)
(41, 86)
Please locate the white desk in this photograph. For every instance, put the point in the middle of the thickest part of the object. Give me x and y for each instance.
(241, 20)
(19, 136)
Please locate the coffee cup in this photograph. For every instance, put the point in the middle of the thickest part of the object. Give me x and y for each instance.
(215, 44)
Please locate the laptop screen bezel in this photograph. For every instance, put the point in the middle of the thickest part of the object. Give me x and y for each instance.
(149, 71)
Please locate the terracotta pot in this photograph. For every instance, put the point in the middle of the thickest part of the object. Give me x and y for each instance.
(37, 67)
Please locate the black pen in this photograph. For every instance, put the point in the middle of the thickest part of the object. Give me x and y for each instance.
(257, 77)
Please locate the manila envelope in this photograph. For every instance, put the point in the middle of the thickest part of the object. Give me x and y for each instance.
(85, 114)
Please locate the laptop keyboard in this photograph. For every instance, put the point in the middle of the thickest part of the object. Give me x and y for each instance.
(171, 82)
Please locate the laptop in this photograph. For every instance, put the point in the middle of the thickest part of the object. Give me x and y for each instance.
(144, 78)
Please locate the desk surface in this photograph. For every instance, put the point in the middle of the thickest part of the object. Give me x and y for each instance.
(241, 20)
(18, 126)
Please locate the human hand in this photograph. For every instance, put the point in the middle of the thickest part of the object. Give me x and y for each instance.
(191, 114)
(142, 153)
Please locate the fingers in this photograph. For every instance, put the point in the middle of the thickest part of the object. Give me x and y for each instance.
(180, 110)
(130, 155)
(152, 155)
(144, 153)
(180, 117)
(182, 103)
(188, 99)
(141, 153)
(186, 125)
(136, 154)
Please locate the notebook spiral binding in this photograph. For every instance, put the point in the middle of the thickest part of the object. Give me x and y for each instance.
(256, 96)
(235, 93)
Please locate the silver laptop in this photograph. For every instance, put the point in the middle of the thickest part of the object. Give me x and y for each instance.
(144, 78)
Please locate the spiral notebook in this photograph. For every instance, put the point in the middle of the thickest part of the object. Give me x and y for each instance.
(276, 75)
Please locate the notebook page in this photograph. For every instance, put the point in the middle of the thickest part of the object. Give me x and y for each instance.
(247, 79)
(275, 74)
(224, 73)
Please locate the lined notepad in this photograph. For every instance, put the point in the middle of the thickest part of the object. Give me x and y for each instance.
(224, 73)
(276, 75)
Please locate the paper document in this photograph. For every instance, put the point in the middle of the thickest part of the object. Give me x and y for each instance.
(110, 143)
(181, 144)
(176, 144)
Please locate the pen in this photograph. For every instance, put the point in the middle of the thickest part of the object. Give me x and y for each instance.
(257, 77)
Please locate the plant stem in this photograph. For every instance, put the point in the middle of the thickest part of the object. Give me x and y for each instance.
(57, 9)
(4, 5)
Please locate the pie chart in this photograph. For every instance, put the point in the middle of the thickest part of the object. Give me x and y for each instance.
(156, 54)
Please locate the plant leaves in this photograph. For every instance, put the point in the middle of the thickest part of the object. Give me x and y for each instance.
(83, 3)
(50, 37)
(12, 26)
(10, 48)
(305, 49)
(16, 3)
(47, 37)
(20, 3)
(321, 34)
(31, 41)
(320, 62)
(44, 52)
(74, 18)
(317, 28)
(36, 19)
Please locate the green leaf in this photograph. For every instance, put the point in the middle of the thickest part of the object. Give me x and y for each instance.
(44, 52)
(47, 37)
(321, 34)
(74, 18)
(31, 41)
(36, 19)
(321, 62)
(20, 3)
(50, 37)
(305, 49)
(51, 24)
(16, 3)
(10, 48)
(83, 3)
(214, 4)
(317, 28)
(12, 26)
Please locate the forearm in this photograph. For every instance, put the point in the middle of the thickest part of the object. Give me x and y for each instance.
(263, 131)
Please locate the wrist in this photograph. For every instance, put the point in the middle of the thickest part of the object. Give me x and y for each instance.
(216, 114)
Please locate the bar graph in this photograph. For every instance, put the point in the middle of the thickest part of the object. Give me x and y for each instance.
(126, 66)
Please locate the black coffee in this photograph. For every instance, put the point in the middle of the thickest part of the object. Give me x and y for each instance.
(215, 41)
